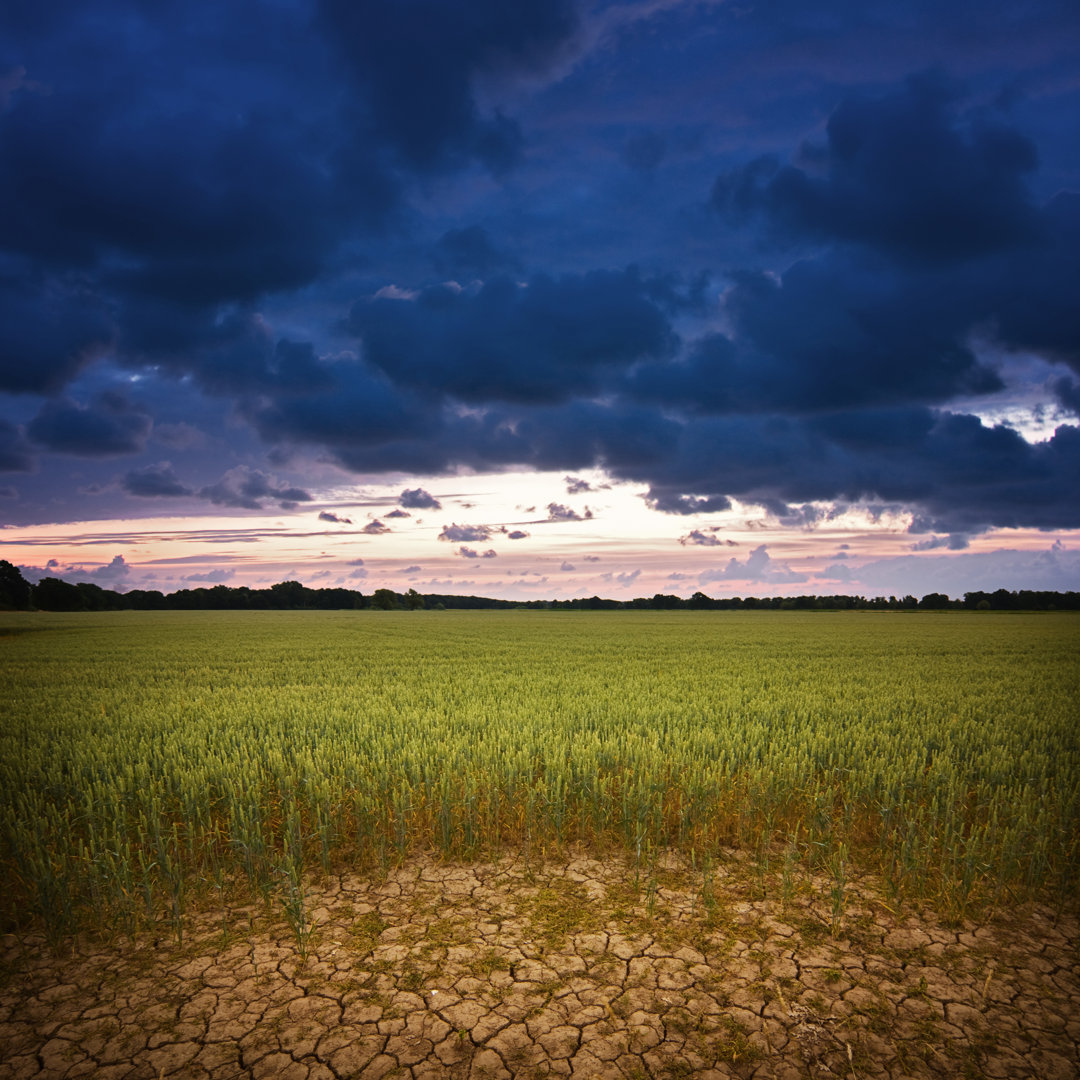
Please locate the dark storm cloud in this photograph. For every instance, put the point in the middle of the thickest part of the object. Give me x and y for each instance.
(676, 502)
(543, 342)
(155, 481)
(469, 252)
(203, 217)
(833, 332)
(15, 454)
(644, 151)
(417, 61)
(901, 174)
(109, 426)
(49, 327)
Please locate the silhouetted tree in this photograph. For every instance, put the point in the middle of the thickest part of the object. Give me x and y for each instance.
(14, 588)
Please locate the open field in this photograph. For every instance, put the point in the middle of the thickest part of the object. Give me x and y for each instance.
(805, 833)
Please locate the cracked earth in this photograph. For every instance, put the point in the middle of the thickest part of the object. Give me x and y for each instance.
(584, 967)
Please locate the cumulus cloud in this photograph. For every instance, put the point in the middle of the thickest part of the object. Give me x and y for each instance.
(457, 533)
(757, 567)
(155, 481)
(707, 538)
(375, 528)
(1053, 567)
(329, 515)
(471, 553)
(109, 426)
(396, 513)
(899, 174)
(246, 488)
(418, 499)
(15, 453)
(575, 485)
(558, 512)
(517, 534)
(541, 342)
(215, 576)
(469, 252)
(954, 542)
(568, 566)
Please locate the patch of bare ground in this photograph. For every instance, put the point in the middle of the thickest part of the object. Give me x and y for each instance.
(577, 967)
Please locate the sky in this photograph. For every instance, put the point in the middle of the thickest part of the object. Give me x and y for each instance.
(550, 298)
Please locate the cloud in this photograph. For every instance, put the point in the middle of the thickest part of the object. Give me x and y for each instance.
(543, 341)
(959, 572)
(108, 427)
(470, 553)
(115, 571)
(674, 502)
(900, 174)
(758, 567)
(155, 481)
(355, 562)
(216, 576)
(375, 528)
(954, 542)
(456, 533)
(695, 537)
(517, 534)
(111, 575)
(327, 515)
(568, 566)
(416, 69)
(15, 453)
(412, 570)
(469, 252)
(418, 499)
(558, 512)
(395, 513)
(575, 485)
(245, 488)
(644, 151)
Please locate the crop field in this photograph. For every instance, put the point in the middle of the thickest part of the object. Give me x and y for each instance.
(151, 763)
(500, 844)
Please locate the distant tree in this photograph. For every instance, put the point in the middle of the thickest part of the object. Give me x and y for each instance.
(414, 601)
(384, 599)
(52, 594)
(935, 601)
(14, 588)
(287, 594)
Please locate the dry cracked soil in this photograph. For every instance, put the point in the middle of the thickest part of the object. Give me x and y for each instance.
(577, 967)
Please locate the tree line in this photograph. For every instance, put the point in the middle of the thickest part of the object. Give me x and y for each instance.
(55, 594)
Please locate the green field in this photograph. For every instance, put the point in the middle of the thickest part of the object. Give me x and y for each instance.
(150, 763)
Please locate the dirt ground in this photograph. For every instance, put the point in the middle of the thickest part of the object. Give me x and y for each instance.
(581, 967)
